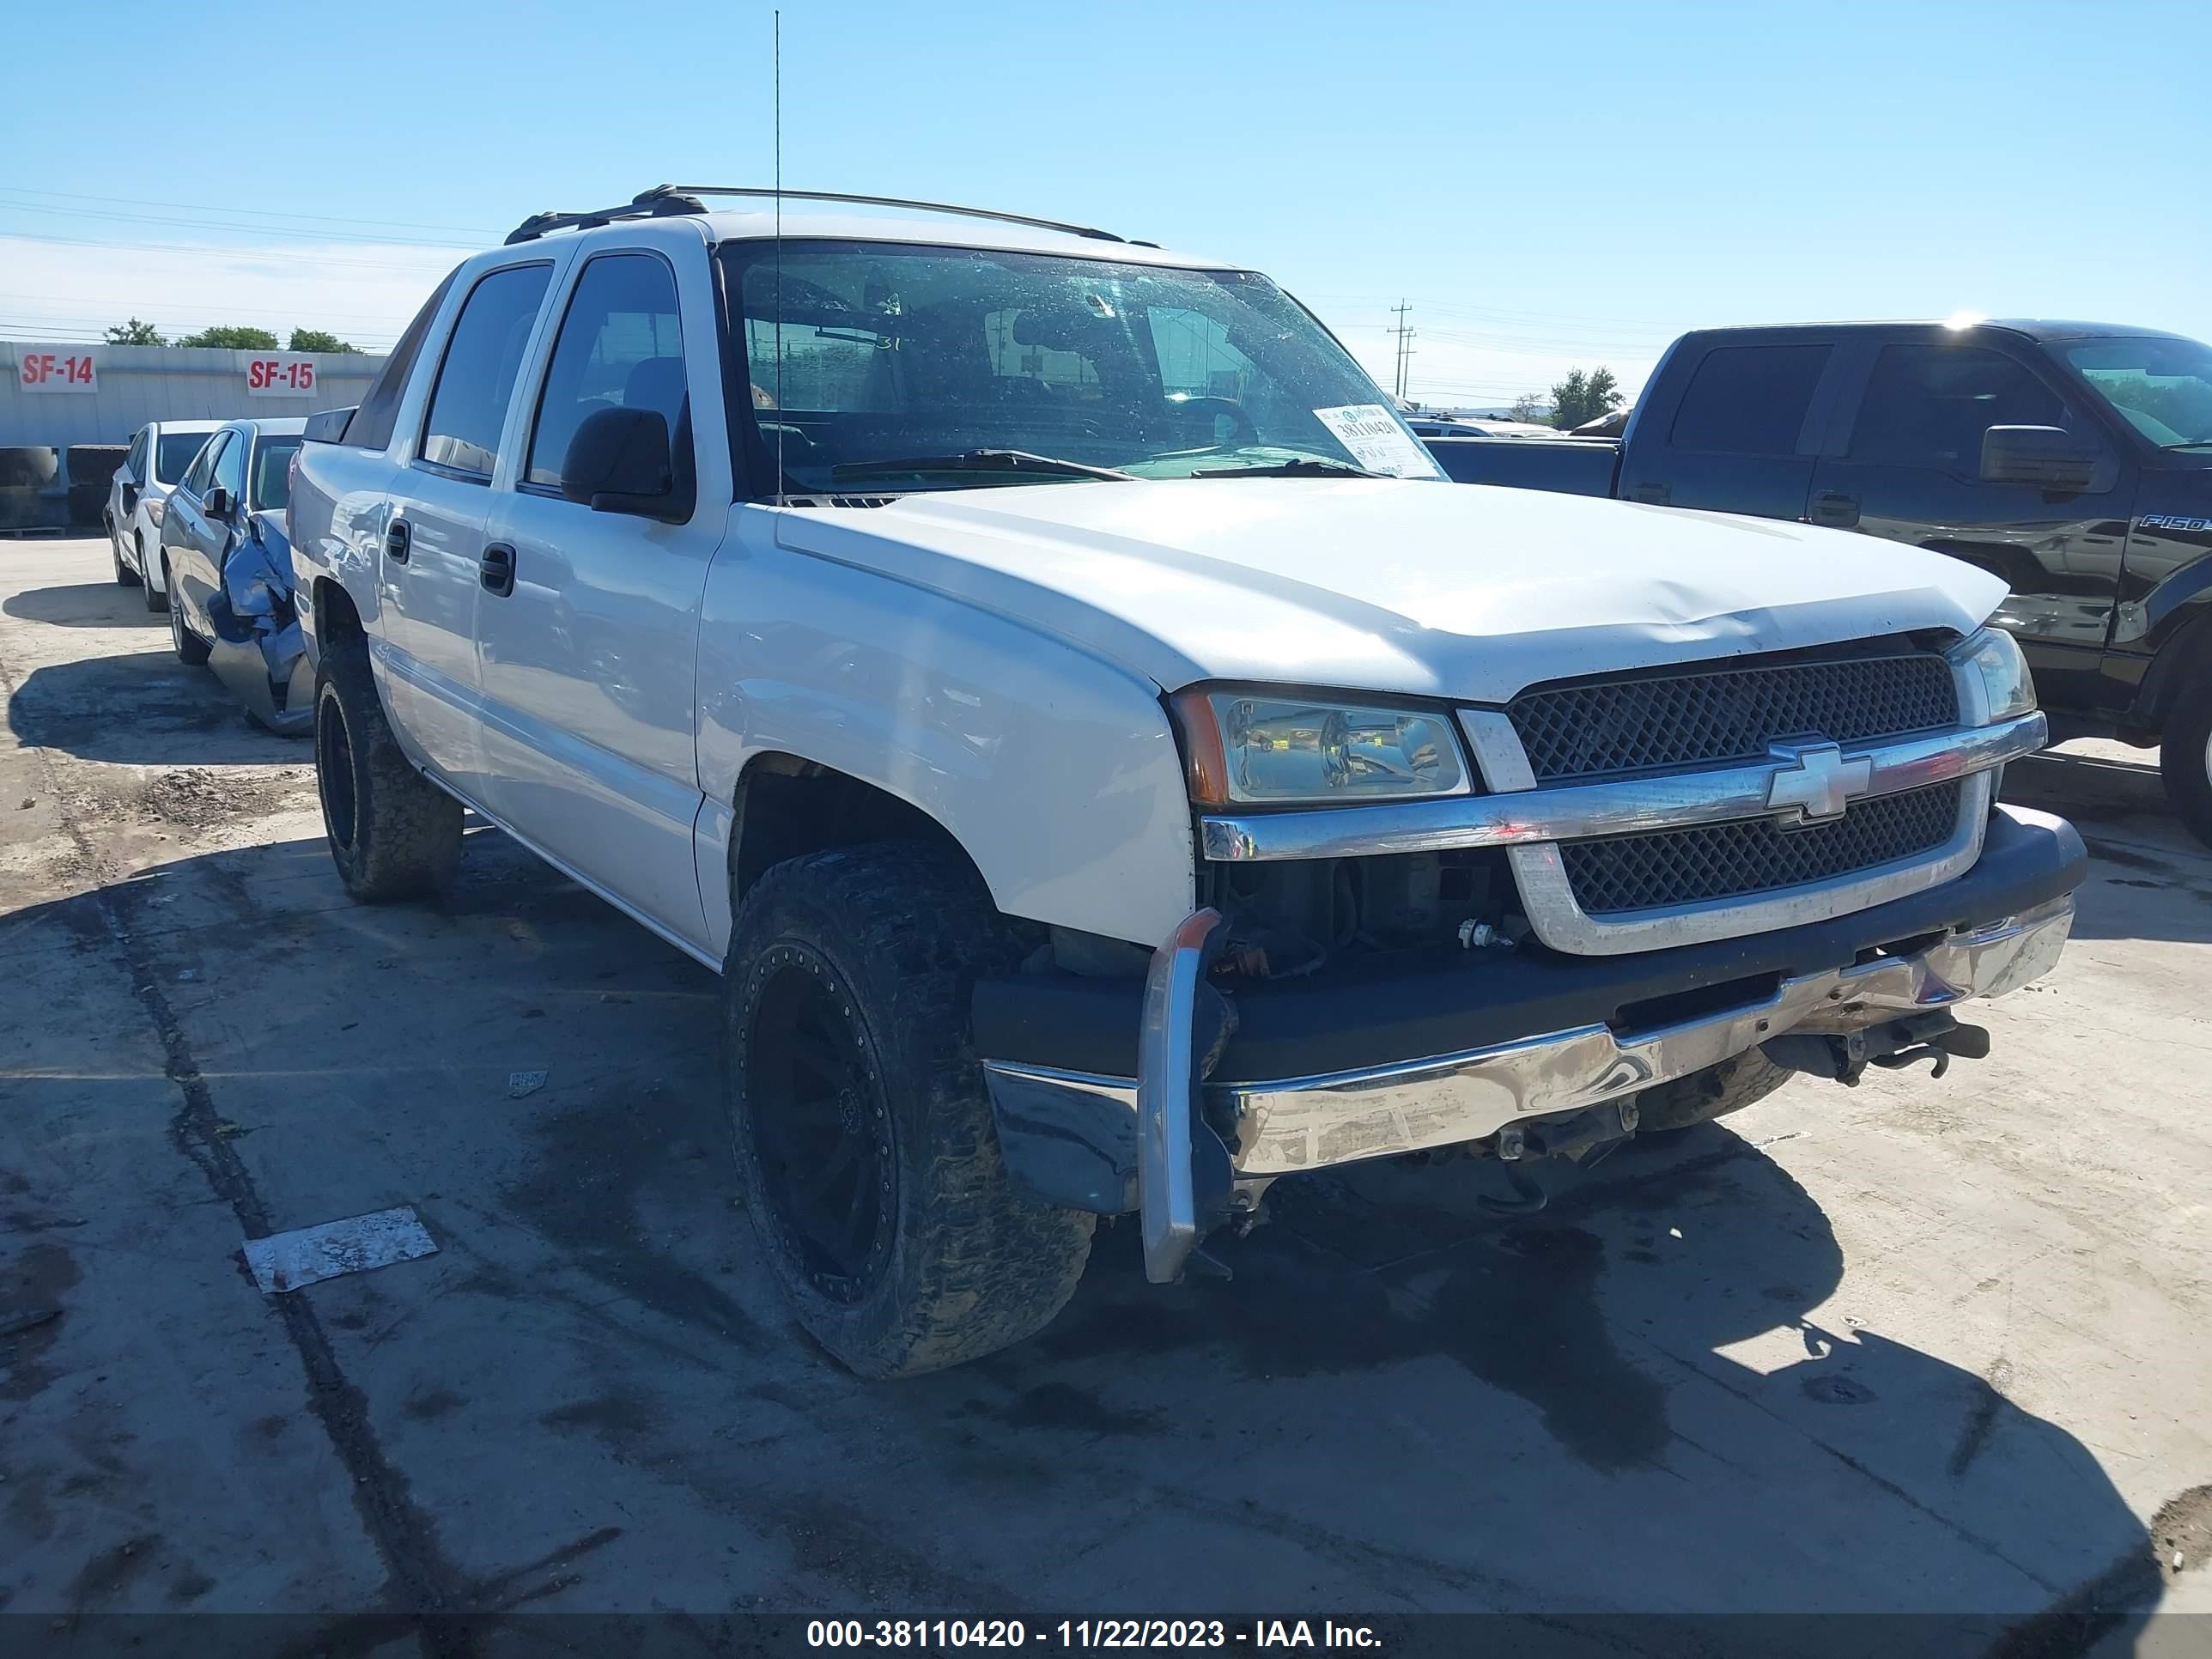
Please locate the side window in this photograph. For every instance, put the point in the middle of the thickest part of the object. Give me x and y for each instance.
(196, 475)
(230, 465)
(1749, 400)
(1929, 405)
(620, 346)
(372, 423)
(468, 405)
(134, 463)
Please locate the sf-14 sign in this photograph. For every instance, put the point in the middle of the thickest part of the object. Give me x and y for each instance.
(62, 369)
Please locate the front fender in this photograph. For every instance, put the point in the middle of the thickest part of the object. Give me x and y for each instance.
(1056, 771)
(2180, 598)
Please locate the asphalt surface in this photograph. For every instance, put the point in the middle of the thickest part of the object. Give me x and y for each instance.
(1923, 1347)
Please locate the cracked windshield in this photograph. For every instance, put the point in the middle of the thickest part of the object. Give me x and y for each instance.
(924, 369)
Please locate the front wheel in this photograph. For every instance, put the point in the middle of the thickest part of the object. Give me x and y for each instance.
(157, 598)
(191, 650)
(2184, 759)
(392, 834)
(864, 1140)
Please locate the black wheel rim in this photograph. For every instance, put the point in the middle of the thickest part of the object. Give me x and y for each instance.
(334, 773)
(820, 1131)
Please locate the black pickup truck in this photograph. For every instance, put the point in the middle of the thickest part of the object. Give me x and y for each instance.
(2073, 460)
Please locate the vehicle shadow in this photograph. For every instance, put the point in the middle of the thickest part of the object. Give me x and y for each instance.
(2149, 878)
(142, 709)
(1647, 1400)
(1632, 1402)
(84, 604)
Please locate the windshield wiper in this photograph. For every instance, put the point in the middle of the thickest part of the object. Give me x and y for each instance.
(2191, 443)
(1304, 467)
(978, 460)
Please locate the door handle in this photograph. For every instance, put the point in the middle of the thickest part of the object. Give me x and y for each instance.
(399, 541)
(496, 569)
(1833, 507)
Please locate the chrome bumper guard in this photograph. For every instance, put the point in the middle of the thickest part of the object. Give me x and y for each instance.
(1288, 1126)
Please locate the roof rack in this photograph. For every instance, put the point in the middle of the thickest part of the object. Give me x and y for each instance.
(664, 201)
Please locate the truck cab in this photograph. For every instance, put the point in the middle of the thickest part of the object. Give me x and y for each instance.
(2072, 460)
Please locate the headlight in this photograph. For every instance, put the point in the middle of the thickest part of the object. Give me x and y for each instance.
(2007, 687)
(1250, 747)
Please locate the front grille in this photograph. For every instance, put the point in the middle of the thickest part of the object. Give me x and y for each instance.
(1716, 716)
(1669, 868)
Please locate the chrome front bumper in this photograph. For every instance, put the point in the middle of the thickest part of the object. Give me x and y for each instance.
(1285, 1126)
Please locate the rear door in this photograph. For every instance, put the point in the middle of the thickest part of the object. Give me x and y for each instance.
(433, 542)
(588, 650)
(1905, 464)
(1737, 430)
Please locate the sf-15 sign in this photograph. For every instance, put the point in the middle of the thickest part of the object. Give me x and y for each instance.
(280, 377)
(40, 369)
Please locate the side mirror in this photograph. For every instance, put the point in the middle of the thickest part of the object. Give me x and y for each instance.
(618, 462)
(217, 503)
(2048, 456)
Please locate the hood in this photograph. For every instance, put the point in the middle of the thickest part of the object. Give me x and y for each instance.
(1393, 585)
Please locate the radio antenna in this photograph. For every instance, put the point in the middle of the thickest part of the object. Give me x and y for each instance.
(778, 56)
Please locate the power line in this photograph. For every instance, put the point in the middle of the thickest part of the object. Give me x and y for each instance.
(202, 207)
(251, 255)
(232, 229)
(154, 311)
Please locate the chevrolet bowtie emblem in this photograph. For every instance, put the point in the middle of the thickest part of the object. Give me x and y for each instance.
(1816, 781)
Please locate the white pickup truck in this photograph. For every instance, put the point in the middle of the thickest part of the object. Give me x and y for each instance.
(1110, 767)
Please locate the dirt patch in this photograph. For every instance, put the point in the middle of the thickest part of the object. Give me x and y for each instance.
(110, 1572)
(31, 1287)
(194, 798)
(2181, 1533)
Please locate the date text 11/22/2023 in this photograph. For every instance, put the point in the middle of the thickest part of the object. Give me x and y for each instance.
(1087, 1633)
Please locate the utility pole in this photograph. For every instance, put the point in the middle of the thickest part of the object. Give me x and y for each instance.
(1405, 347)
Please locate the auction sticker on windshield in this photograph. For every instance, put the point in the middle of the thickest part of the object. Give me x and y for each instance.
(1376, 441)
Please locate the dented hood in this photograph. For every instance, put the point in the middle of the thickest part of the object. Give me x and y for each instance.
(1388, 585)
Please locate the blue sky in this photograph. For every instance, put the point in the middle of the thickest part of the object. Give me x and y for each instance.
(1548, 185)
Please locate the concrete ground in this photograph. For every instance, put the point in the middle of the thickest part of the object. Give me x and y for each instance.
(1921, 1346)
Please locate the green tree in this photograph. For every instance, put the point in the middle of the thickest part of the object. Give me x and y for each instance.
(232, 335)
(135, 332)
(316, 339)
(1582, 397)
(1527, 407)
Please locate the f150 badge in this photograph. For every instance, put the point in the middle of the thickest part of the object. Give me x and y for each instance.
(2171, 522)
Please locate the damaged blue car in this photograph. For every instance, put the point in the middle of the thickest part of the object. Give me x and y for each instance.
(227, 567)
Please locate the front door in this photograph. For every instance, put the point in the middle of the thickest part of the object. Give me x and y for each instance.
(588, 649)
(1910, 471)
(433, 542)
(194, 540)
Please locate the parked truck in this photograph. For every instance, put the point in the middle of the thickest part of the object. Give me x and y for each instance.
(2072, 460)
(1108, 766)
